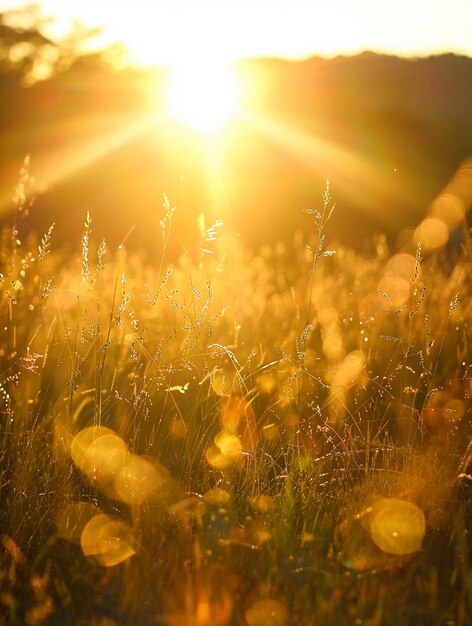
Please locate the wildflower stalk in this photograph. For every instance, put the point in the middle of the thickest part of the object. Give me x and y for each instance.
(321, 219)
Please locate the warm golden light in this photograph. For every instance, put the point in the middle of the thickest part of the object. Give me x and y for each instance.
(266, 612)
(72, 518)
(204, 97)
(217, 496)
(397, 526)
(432, 233)
(107, 540)
(137, 481)
(100, 454)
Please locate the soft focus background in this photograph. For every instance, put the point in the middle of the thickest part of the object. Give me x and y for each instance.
(390, 131)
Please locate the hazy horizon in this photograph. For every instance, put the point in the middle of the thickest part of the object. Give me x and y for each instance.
(294, 31)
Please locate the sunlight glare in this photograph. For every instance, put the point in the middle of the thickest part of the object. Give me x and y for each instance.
(203, 97)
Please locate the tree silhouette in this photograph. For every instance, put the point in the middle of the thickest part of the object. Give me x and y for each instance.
(27, 51)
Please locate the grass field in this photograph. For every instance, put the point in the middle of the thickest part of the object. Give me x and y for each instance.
(232, 438)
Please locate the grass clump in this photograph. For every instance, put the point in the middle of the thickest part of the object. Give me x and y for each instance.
(276, 438)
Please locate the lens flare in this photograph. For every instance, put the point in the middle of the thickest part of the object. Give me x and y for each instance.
(99, 453)
(72, 518)
(217, 497)
(449, 208)
(107, 541)
(137, 481)
(395, 290)
(397, 526)
(267, 612)
(432, 233)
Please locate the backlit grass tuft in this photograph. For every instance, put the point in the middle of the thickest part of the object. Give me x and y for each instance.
(233, 438)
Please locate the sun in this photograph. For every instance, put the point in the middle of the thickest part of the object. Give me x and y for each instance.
(203, 96)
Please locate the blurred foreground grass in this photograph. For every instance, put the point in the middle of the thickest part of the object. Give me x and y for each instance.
(233, 439)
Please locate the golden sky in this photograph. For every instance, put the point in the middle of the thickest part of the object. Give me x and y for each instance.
(167, 32)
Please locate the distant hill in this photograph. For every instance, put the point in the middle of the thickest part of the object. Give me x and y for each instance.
(388, 131)
(391, 131)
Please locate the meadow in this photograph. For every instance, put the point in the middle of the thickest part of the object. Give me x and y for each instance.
(223, 437)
